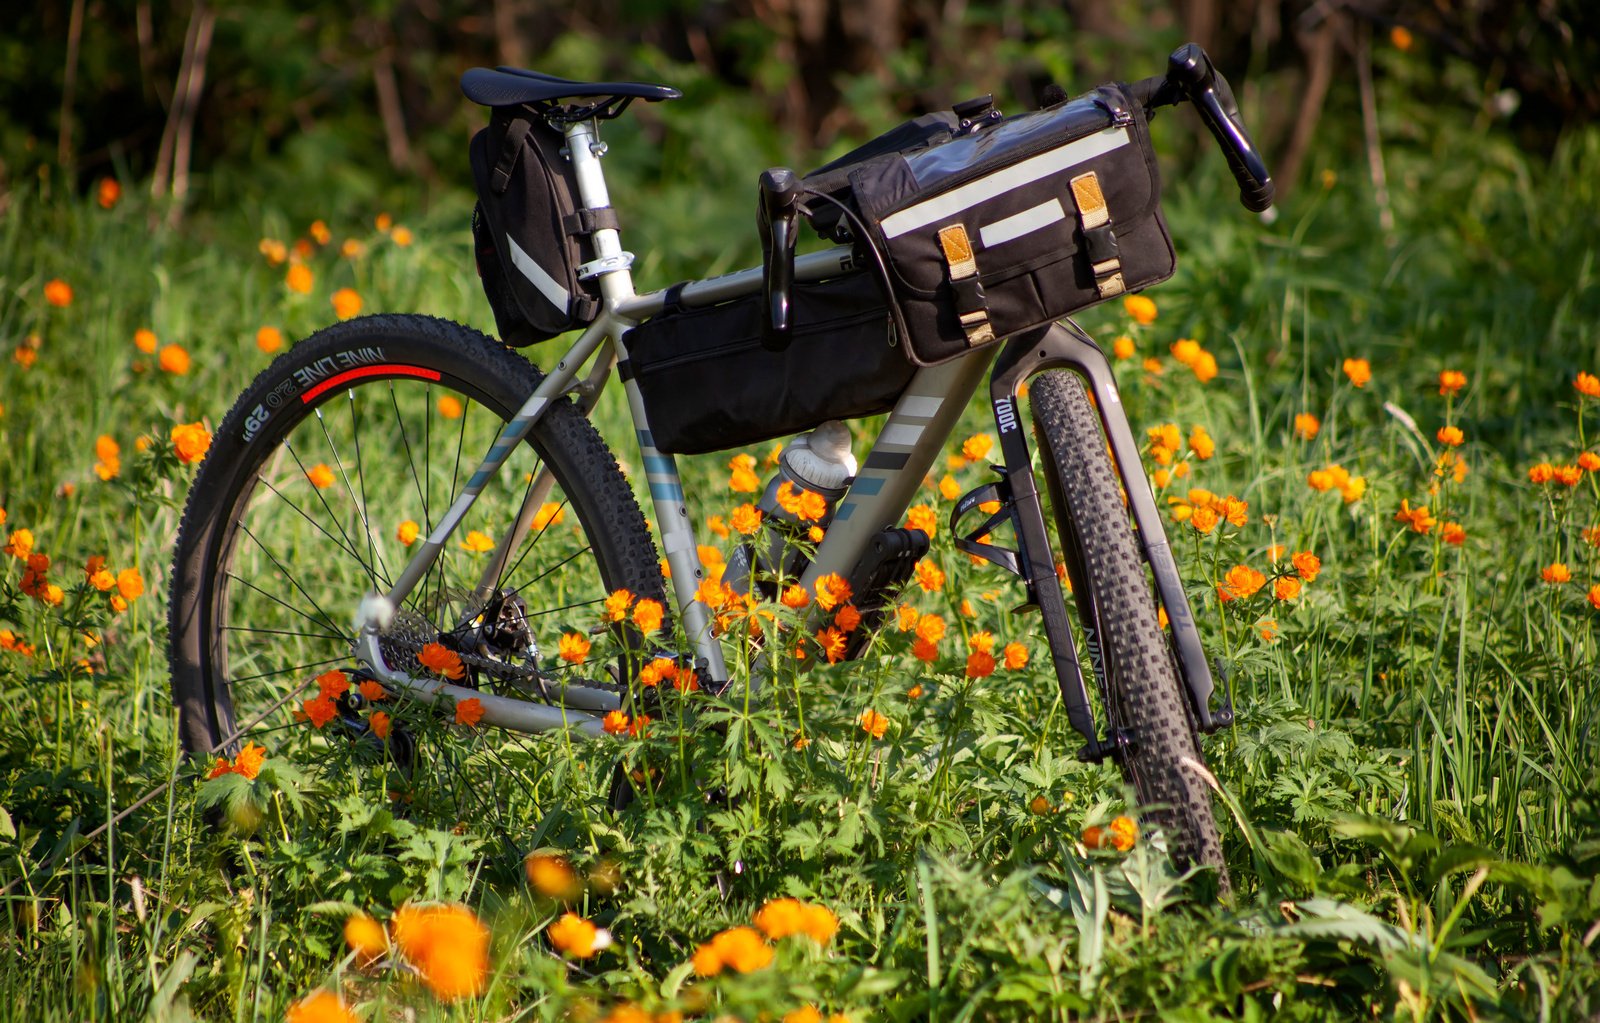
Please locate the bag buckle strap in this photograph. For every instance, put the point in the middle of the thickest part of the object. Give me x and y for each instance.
(590, 220)
(1100, 241)
(971, 305)
(510, 149)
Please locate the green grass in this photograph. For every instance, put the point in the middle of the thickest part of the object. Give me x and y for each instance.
(1411, 819)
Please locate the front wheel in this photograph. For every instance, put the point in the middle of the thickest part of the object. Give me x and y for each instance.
(318, 486)
(1112, 592)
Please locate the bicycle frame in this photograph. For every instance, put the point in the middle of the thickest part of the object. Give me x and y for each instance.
(901, 456)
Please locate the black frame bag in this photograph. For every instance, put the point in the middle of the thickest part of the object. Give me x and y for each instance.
(529, 233)
(1013, 226)
(708, 385)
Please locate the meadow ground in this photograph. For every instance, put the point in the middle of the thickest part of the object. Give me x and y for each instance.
(1374, 453)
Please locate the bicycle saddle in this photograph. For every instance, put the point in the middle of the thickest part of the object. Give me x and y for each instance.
(509, 86)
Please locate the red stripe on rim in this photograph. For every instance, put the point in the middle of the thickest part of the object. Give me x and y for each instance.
(369, 371)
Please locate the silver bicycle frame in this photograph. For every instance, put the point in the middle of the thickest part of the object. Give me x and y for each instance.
(901, 456)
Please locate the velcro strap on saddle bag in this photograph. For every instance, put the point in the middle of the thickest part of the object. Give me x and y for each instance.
(1094, 217)
(510, 149)
(588, 221)
(971, 306)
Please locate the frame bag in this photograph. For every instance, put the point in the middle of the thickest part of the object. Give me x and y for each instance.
(529, 233)
(708, 385)
(1018, 224)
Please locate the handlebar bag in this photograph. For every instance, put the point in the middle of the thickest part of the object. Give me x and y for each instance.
(1016, 225)
(529, 232)
(708, 385)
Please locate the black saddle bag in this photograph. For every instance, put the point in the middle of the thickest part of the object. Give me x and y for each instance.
(529, 231)
(708, 385)
(1015, 223)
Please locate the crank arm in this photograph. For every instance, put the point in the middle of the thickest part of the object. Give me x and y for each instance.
(1066, 346)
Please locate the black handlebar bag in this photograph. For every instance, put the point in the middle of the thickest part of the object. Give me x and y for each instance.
(529, 232)
(1011, 227)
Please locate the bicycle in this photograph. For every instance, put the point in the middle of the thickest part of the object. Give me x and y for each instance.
(257, 610)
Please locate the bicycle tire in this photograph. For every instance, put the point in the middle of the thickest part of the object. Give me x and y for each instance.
(1140, 686)
(412, 363)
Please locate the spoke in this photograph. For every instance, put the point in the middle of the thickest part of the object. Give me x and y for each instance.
(360, 503)
(327, 619)
(285, 671)
(279, 600)
(557, 565)
(361, 475)
(569, 607)
(314, 523)
(285, 632)
(327, 507)
(410, 461)
(530, 545)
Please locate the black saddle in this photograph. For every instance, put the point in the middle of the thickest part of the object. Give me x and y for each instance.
(509, 87)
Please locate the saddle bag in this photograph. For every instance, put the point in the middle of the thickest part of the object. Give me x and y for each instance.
(529, 231)
(1016, 223)
(708, 385)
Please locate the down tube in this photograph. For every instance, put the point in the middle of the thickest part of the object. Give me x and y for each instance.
(677, 530)
(921, 422)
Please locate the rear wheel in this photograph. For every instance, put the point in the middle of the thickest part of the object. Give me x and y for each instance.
(299, 509)
(1112, 592)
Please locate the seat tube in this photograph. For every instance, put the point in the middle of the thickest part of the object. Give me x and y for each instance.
(584, 149)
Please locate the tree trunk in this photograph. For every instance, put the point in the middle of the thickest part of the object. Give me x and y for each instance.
(506, 35)
(169, 134)
(1318, 47)
(191, 106)
(69, 82)
(394, 122)
(1369, 121)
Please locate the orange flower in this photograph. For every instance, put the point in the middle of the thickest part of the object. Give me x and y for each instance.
(1186, 351)
(1588, 385)
(573, 648)
(58, 293)
(174, 360)
(617, 605)
(319, 1007)
(1353, 489)
(1203, 519)
(469, 712)
(476, 542)
(746, 519)
(832, 590)
(1401, 37)
(402, 237)
(346, 303)
(1450, 435)
(656, 670)
(130, 584)
(930, 628)
(647, 615)
(1358, 370)
(717, 526)
(1452, 533)
(1568, 475)
(1123, 833)
(1201, 444)
(1286, 588)
(1122, 347)
(549, 514)
(1555, 574)
(351, 248)
(1140, 308)
(1153, 366)
(408, 532)
(1421, 521)
(795, 597)
(320, 476)
(874, 723)
(25, 355)
(685, 681)
(1590, 461)
(1094, 837)
(1234, 510)
(1205, 367)
(818, 923)
(320, 232)
(744, 478)
(449, 406)
(20, 544)
(269, 339)
(740, 948)
(924, 518)
(806, 505)
(983, 641)
(815, 534)
(949, 489)
(1307, 564)
(1241, 582)
(144, 339)
(108, 192)
(366, 937)
(320, 710)
(980, 664)
(191, 441)
(847, 618)
(448, 946)
(275, 251)
(905, 617)
(915, 691)
(378, 722)
(299, 279)
(1451, 381)
(553, 877)
(976, 447)
(1016, 656)
(1594, 595)
(249, 760)
(442, 660)
(929, 576)
(333, 684)
(832, 643)
(1544, 472)
(1306, 425)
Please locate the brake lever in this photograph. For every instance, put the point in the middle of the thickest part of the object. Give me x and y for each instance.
(1209, 92)
(778, 221)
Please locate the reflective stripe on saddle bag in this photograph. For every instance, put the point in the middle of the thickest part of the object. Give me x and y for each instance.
(1014, 226)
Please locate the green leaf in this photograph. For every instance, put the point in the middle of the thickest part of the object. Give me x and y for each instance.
(675, 978)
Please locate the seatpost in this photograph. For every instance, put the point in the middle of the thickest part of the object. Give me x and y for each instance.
(611, 263)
